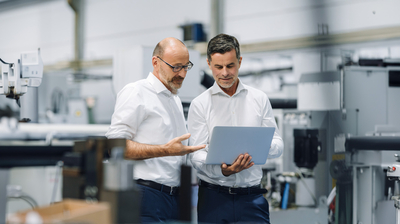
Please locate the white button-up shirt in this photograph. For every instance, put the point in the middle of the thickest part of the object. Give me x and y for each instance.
(147, 112)
(247, 107)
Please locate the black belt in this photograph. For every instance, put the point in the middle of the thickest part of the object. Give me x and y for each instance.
(160, 187)
(233, 190)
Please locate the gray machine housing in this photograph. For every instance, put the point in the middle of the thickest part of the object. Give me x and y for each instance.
(355, 101)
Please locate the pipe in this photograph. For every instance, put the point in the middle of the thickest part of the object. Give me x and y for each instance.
(78, 7)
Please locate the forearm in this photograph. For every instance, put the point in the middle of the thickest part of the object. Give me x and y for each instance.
(174, 147)
(140, 151)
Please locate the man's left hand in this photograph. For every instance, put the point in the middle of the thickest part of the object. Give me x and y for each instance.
(242, 162)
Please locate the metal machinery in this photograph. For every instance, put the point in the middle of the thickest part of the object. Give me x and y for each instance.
(357, 110)
(79, 150)
(88, 171)
(91, 174)
(363, 193)
(306, 147)
(304, 134)
(393, 173)
(24, 76)
(47, 145)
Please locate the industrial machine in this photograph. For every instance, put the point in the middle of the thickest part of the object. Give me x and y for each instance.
(363, 193)
(23, 77)
(360, 110)
(304, 134)
(349, 118)
(92, 167)
(306, 147)
(393, 173)
(95, 171)
(37, 145)
(304, 180)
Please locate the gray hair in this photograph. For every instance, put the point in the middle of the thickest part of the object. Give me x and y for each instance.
(223, 43)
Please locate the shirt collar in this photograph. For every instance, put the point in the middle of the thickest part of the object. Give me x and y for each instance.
(157, 84)
(216, 89)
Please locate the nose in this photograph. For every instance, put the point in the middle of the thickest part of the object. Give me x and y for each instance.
(224, 71)
(182, 73)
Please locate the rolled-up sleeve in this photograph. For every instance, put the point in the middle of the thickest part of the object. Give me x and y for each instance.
(129, 112)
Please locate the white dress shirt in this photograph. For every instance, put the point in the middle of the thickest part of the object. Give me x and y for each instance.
(247, 107)
(147, 112)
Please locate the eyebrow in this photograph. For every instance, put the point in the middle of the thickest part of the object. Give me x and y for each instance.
(223, 66)
(180, 64)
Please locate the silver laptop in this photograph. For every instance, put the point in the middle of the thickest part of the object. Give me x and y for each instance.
(228, 142)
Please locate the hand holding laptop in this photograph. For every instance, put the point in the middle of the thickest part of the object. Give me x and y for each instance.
(242, 162)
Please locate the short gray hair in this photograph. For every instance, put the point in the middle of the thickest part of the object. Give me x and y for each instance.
(223, 43)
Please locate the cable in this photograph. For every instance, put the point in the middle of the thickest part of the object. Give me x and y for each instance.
(15, 192)
(6, 62)
(29, 198)
(32, 202)
(305, 184)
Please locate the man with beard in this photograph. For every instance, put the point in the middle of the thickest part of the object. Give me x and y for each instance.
(149, 114)
(230, 193)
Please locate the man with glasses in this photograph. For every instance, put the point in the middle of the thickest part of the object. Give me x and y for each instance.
(229, 193)
(149, 114)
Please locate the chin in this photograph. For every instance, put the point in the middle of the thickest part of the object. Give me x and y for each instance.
(228, 85)
(177, 86)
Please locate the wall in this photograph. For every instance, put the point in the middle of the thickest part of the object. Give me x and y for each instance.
(120, 23)
(257, 20)
(114, 24)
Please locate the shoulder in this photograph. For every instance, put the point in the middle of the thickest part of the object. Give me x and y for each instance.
(203, 98)
(201, 102)
(256, 92)
(135, 88)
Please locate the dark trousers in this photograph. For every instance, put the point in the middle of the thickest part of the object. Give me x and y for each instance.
(220, 207)
(158, 206)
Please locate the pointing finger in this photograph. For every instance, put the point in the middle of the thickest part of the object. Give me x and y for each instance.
(195, 148)
(183, 137)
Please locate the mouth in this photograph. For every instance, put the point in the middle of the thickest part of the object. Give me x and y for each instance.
(177, 81)
(225, 79)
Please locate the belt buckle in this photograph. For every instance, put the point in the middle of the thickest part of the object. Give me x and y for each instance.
(230, 192)
(171, 191)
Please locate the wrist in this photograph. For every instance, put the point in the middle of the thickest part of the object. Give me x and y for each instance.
(164, 150)
(225, 172)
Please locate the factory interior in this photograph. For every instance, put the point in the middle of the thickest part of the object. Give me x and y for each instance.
(330, 68)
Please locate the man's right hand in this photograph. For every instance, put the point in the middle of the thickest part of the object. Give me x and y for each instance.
(242, 162)
(176, 148)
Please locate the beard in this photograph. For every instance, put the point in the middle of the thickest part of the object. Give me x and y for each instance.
(170, 84)
(227, 85)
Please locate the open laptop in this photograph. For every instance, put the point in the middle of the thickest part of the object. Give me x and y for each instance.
(228, 142)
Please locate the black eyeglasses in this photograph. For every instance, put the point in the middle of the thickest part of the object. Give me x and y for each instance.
(178, 68)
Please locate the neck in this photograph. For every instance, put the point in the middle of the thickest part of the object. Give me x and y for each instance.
(231, 90)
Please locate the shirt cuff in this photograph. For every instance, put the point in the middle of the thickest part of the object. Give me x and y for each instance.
(217, 171)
